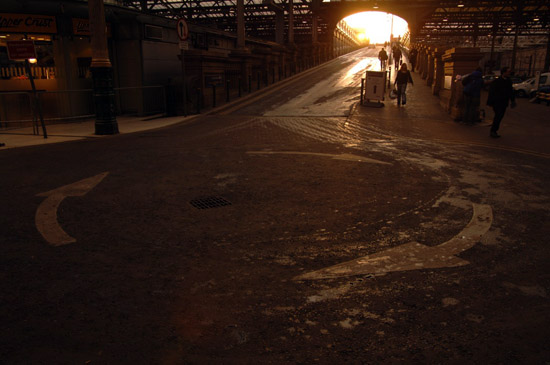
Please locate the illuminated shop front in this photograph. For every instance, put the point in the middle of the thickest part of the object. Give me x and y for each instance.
(63, 58)
(39, 28)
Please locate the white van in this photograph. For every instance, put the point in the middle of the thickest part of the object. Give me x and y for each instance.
(527, 87)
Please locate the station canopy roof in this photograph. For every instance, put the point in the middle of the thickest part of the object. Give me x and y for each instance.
(445, 22)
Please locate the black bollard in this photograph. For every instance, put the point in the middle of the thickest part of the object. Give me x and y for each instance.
(227, 90)
(240, 85)
(213, 96)
(198, 100)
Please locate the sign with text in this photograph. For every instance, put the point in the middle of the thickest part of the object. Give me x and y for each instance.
(375, 85)
(27, 23)
(82, 27)
(20, 50)
(212, 80)
(184, 45)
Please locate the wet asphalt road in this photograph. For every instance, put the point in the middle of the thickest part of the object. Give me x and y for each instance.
(311, 180)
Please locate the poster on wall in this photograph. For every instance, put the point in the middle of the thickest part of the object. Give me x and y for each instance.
(21, 50)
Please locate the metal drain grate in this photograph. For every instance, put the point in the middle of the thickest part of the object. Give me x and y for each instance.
(209, 202)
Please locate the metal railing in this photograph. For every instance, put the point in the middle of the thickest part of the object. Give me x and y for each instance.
(19, 109)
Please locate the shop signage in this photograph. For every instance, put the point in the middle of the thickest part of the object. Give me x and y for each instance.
(27, 23)
(20, 50)
(82, 27)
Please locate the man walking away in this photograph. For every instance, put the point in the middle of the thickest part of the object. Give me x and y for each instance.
(397, 56)
(501, 93)
(383, 57)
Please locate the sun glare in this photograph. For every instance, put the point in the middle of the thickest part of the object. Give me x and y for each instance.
(377, 26)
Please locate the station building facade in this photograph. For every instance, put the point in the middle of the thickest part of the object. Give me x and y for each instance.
(145, 54)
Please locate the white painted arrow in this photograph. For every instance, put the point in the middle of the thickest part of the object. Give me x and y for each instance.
(413, 255)
(46, 214)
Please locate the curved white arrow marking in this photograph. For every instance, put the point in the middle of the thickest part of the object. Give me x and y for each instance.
(46, 214)
(413, 255)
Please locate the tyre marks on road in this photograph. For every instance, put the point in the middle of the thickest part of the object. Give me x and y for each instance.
(343, 156)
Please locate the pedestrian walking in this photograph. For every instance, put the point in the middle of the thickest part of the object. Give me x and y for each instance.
(473, 83)
(403, 77)
(397, 56)
(412, 58)
(383, 57)
(501, 94)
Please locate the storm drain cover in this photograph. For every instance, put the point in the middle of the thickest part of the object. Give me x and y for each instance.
(209, 202)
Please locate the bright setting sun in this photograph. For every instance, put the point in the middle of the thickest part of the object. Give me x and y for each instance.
(376, 26)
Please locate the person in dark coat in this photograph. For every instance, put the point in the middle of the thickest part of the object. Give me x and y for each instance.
(403, 77)
(412, 58)
(472, 95)
(397, 56)
(501, 94)
(383, 57)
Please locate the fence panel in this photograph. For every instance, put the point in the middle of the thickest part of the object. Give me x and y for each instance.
(16, 110)
(67, 105)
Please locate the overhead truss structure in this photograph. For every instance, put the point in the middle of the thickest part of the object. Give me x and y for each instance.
(480, 21)
(431, 21)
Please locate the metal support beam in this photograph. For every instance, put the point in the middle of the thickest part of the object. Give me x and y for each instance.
(240, 24)
(291, 21)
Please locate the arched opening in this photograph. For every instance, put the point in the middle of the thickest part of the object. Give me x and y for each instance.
(376, 27)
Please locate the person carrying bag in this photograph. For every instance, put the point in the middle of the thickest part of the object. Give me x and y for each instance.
(403, 77)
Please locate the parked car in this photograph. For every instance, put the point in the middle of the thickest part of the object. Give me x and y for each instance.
(527, 87)
(487, 79)
(516, 79)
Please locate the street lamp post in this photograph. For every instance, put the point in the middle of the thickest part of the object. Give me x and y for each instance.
(102, 72)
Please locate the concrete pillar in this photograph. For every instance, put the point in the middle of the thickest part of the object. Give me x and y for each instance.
(439, 71)
(457, 61)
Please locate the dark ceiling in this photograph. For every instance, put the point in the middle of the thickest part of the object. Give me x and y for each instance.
(430, 21)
